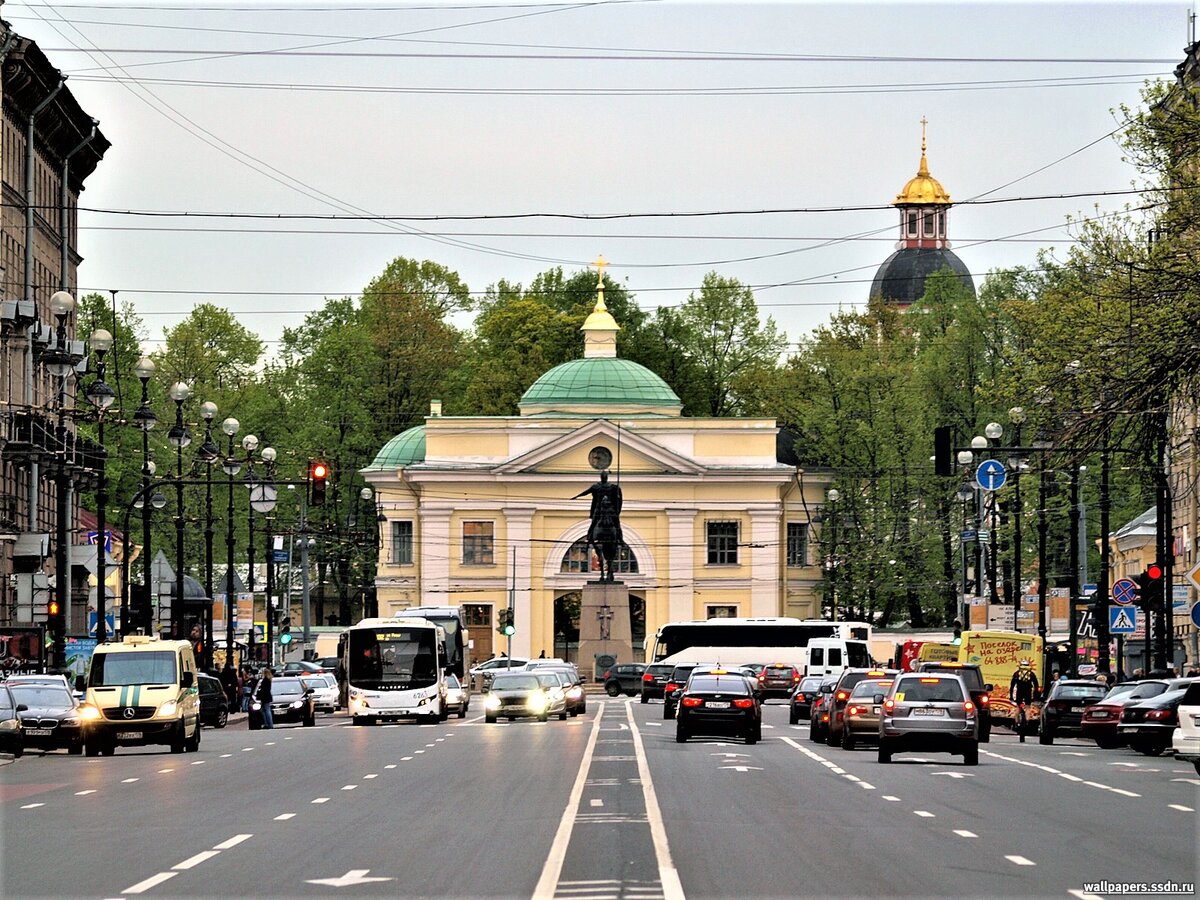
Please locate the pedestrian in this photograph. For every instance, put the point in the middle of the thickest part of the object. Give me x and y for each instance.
(247, 689)
(542, 655)
(263, 695)
(231, 683)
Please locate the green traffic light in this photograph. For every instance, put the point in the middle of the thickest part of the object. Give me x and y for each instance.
(285, 638)
(509, 630)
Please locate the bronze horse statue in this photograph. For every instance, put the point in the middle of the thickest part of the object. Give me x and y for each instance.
(605, 536)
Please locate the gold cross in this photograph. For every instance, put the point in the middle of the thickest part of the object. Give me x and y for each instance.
(924, 122)
(600, 263)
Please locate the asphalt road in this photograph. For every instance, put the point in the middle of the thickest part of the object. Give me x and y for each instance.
(604, 806)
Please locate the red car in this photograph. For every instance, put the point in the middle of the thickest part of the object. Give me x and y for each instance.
(1100, 720)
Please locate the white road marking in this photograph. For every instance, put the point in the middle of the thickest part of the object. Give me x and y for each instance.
(1061, 774)
(226, 755)
(247, 749)
(672, 888)
(84, 793)
(287, 738)
(418, 751)
(232, 842)
(890, 798)
(924, 814)
(32, 805)
(199, 762)
(390, 766)
(429, 745)
(1180, 808)
(370, 776)
(1084, 895)
(548, 881)
(1073, 753)
(149, 882)
(197, 859)
(962, 832)
(1186, 780)
(321, 800)
(439, 740)
(863, 784)
(349, 787)
(596, 802)
(284, 817)
(270, 743)
(405, 758)
(1020, 861)
(655, 724)
(128, 780)
(165, 771)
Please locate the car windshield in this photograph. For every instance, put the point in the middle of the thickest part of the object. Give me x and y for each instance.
(929, 690)
(548, 680)
(810, 684)
(41, 695)
(452, 681)
(1080, 690)
(515, 683)
(286, 687)
(870, 688)
(660, 671)
(680, 673)
(151, 667)
(318, 684)
(723, 684)
(7, 710)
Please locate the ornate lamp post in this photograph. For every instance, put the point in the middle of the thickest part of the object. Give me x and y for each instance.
(60, 363)
(263, 496)
(250, 444)
(833, 495)
(993, 432)
(1016, 415)
(101, 396)
(231, 467)
(208, 453)
(145, 419)
(180, 437)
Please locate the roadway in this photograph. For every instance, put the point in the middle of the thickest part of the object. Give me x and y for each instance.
(603, 806)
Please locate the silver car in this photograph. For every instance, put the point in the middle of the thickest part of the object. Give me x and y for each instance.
(929, 712)
(458, 695)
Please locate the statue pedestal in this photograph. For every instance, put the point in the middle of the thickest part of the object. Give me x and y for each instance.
(605, 637)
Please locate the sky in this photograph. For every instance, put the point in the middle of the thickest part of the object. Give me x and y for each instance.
(784, 119)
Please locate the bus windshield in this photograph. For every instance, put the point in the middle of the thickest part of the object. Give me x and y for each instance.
(113, 669)
(450, 619)
(398, 658)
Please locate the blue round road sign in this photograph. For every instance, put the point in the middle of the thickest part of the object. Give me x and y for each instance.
(991, 475)
(1124, 591)
(1196, 614)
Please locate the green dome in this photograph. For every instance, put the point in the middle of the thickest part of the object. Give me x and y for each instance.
(600, 384)
(404, 449)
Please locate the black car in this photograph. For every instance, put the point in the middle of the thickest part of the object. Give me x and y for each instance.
(291, 701)
(653, 679)
(1062, 712)
(673, 689)
(818, 717)
(12, 735)
(625, 678)
(981, 693)
(515, 695)
(50, 717)
(802, 699)
(214, 705)
(1149, 724)
(719, 705)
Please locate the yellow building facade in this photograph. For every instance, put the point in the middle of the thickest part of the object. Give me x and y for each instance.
(477, 512)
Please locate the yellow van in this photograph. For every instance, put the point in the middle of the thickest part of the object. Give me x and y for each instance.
(998, 654)
(142, 690)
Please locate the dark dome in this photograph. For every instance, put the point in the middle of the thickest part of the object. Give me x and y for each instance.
(901, 279)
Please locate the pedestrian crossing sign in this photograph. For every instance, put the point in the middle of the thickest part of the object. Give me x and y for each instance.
(1122, 619)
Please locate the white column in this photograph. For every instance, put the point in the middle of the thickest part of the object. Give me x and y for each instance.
(681, 566)
(435, 556)
(766, 585)
(519, 565)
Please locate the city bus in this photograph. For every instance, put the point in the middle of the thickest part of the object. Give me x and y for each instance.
(737, 641)
(458, 643)
(394, 668)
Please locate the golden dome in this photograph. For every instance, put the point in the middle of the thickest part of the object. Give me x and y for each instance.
(924, 189)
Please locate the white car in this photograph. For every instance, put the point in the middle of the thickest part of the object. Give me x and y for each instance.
(1186, 738)
(325, 691)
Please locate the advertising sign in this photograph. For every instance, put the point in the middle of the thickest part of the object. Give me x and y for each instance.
(79, 655)
(22, 651)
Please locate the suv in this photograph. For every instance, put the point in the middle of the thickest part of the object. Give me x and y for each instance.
(1062, 710)
(625, 678)
(841, 693)
(653, 679)
(674, 687)
(778, 680)
(1186, 738)
(981, 694)
(929, 712)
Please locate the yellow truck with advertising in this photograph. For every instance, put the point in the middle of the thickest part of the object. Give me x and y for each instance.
(997, 653)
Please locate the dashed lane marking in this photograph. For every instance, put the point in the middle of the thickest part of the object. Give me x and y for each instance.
(1020, 861)
(284, 817)
(962, 832)
(232, 842)
(924, 814)
(1061, 774)
(890, 798)
(199, 762)
(150, 882)
(270, 743)
(321, 800)
(390, 766)
(418, 751)
(32, 805)
(405, 758)
(165, 771)
(595, 802)
(84, 793)
(128, 780)
(1180, 807)
(1084, 895)
(197, 859)
(226, 755)
(370, 776)
(247, 749)
(349, 787)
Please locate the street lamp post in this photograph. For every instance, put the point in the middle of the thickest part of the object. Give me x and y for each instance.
(101, 396)
(145, 419)
(1017, 416)
(266, 492)
(262, 499)
(180, 437)
(209, 453)
(158, 501)
(250, 444)
(1042, 531)
(231, 467)
(993, 431)
(60, 364)
(833, 495)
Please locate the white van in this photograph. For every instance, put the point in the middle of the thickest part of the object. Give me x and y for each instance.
(142, 690)
(829, 656)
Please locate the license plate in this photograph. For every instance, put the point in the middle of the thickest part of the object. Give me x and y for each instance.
(929, 712)
(38, 732)
(717, 704)
(129, 735)
(874, 710)
(1100, 715)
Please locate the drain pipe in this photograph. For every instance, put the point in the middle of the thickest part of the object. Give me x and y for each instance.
(64, 196)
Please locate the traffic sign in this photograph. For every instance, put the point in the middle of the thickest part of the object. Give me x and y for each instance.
(967, 535)
(109, 624)
(984, 536)
(1193, 575)
(1196, 614)
(1124, 591)
(1122, 620)
(991, 475)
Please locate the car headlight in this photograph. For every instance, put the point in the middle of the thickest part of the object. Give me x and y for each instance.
(10, 725)
(575, 693)
(537, 701)
(297, 704)
(169, 708)
(89, 713)
(492, 702)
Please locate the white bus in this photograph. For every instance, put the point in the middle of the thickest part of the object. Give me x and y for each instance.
(767, 640)
(394, 668)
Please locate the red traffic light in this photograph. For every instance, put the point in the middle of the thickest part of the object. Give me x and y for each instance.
(1154, 571)
(320, 470)
(52, 608)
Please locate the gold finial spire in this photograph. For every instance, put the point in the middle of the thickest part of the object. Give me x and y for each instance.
(600, 264)
(924, 169)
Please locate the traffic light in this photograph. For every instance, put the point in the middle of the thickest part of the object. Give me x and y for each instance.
(318, 481)
(957, 641)
(943, 450)
(198, 649)
(1150, 588)
(506, 626)
(285, 632)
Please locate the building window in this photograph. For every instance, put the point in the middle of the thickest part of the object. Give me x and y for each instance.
(928, 217)
(912, 223)
(402, 542)
(580, 559)
(478, 543)
(477, 615)
(722, 543)
(941, 223)
(722, 612)
(797, 544)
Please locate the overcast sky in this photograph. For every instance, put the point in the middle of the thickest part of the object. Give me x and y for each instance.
(485, 108)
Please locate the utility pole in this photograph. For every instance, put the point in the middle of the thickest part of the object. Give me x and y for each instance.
(1104, 663)
(305, 612)
(1042, 528)
(1073, 589)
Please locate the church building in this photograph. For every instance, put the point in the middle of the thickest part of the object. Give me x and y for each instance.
(479, 510)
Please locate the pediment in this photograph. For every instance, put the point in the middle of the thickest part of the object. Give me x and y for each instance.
(568, 453)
